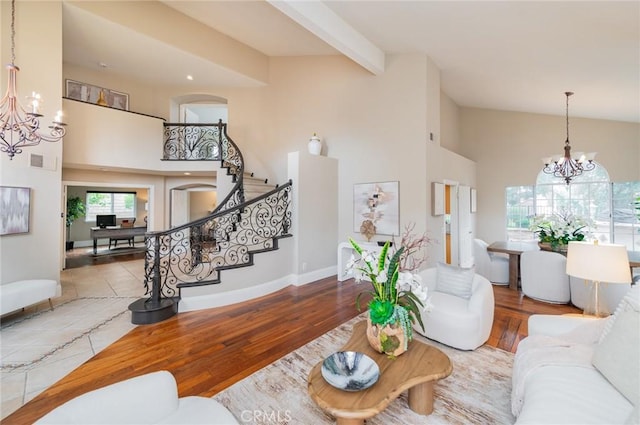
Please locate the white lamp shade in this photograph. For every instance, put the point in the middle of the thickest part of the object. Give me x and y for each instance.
(598, 262)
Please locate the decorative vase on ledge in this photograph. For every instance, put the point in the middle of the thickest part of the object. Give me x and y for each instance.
(315, 145)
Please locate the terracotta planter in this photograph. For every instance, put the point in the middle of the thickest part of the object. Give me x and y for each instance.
(393, 335)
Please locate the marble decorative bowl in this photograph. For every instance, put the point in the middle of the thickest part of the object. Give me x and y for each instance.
(350, 370)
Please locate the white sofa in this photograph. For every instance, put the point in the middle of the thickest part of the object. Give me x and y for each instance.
(146, 399)
(579, 370)
(457, 320)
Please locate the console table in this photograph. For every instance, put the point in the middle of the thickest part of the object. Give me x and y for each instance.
(115, 232)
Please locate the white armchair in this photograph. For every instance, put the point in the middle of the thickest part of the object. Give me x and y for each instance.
(463, 323)
(146, 399)
(494, 267)
(544, 277)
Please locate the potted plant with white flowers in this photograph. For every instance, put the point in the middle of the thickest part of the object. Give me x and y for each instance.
(398, 295)
(556, 231)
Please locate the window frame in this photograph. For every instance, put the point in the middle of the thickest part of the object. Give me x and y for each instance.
(90, 215)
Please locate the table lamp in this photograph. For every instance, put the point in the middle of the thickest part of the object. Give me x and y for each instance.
(598, 263)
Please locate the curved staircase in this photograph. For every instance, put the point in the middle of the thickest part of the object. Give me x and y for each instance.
(249, 220)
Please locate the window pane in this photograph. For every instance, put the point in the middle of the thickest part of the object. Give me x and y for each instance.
(520, 209)
(625, 217)
(123, 204)
(120, 204)
(97, 203)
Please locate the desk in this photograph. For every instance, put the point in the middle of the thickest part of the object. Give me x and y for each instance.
(514, 249)
(115, 231)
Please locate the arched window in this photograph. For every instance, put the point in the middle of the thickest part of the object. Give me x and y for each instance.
(610, 206)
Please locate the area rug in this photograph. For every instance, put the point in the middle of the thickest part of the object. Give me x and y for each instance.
(32, 338)
(477, 392)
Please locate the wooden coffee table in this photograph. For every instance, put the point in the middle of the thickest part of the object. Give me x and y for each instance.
(415, 370)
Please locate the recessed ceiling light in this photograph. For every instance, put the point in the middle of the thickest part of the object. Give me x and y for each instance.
(187, 174)
(190, 77)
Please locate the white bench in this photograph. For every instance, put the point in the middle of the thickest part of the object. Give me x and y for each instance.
(23, 293)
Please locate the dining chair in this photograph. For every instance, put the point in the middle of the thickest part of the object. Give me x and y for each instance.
(493, 266)
(544, 278)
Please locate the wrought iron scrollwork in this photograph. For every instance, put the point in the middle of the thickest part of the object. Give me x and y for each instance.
(195, 253)
(191, 142)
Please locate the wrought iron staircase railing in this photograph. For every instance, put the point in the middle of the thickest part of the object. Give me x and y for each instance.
(195, 253)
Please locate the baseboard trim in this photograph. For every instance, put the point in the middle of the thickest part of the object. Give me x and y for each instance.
(220, 299)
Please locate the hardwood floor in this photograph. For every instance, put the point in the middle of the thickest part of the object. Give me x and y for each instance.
(209, 350)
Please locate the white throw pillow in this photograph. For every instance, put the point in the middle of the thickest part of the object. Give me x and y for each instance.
(616, 356)
(631, 301)
(454, 280)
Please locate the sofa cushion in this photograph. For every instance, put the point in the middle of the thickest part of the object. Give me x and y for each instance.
(572, 395)
(630, 301)
(454, 280)
(125, 402)
(200, 410)
(616, 356)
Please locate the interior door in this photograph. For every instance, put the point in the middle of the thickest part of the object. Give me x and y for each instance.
(465, 231)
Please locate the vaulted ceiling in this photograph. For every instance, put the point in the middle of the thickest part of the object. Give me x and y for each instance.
(506, 55)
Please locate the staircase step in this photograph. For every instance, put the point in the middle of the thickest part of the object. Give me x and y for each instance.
(145, 312)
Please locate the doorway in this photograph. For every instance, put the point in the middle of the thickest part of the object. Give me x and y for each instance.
(457, 224)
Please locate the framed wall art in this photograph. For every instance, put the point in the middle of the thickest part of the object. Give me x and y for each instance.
(378, 203)
(14, 210)
(90, 93)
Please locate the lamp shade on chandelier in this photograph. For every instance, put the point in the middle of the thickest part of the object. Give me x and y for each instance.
(565, 166)
(19, 128)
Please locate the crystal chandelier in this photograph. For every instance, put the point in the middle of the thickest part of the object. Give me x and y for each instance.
(566, 167)
(19, 128)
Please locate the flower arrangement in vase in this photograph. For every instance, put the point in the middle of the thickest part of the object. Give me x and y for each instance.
(557, 230)
(398, 296)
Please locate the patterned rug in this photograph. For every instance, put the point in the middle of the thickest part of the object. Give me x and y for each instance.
(31, 338)
(477, 392)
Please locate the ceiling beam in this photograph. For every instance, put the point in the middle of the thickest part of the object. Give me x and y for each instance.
(320, 20)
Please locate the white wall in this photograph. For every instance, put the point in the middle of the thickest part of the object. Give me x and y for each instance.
(36, 254)
(450, 124)
(315, 212)
(508, 147)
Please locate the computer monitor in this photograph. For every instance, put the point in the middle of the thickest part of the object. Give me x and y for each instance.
(105, 220)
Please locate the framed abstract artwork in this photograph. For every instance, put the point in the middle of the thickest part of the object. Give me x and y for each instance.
(14, 210)
(90, 93)
(376, 206)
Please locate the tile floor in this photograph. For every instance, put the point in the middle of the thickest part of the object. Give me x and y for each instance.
(35, 360)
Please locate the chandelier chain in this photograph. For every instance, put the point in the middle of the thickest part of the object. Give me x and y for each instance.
(13, 32)
(567, 115)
